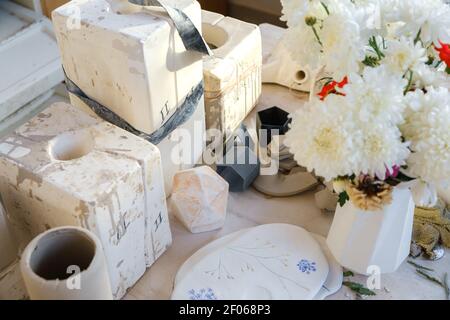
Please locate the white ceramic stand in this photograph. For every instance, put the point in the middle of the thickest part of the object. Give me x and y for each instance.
(66, 264)
(278, 66)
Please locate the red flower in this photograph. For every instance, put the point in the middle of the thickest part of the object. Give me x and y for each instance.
(331, 88)
(444, 53)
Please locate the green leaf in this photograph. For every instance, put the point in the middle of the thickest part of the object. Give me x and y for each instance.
(371, 61)
(325, 7)
(410, 80)
(430, 277)
(343, 198)
(447, 70)
(419, 266)
(358, 288)
(348, 274)
(403, 177)
(417, 38)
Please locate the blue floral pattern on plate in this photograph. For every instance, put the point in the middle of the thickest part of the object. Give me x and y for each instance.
(202, 294)
(307, 266)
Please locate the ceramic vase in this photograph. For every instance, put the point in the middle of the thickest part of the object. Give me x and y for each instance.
(368, 242)
(65, 263)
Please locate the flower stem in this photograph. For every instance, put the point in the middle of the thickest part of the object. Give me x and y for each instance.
(408, 87)
(325, 7)
(373, 43)
(317, 35)
(417, 38)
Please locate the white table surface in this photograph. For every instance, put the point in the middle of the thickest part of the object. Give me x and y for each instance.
(252, 208)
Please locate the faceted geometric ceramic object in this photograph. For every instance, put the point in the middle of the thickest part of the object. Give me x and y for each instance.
(273, 119)
(200, 199)
(240, 137)
(332, 284)
(240, 168)
(275, 261)
(361, 239)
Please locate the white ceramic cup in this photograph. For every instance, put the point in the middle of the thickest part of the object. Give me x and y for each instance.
(65, 263)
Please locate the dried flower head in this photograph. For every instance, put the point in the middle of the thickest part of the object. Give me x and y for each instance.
(369, 195)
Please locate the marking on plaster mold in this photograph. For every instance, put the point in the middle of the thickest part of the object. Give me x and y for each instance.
(165, 111)
(158, 221)
(24, 174)
(83, 214)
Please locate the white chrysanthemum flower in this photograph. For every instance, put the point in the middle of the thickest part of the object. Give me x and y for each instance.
(403, 55)
(333, 40)
(343, 47)
(380, 147)
(326, 138)
(430, 19)
(321, 138)
(426, 76)
(376, 96)
(427, 126)
(303, 46)
(373, 14)
(295, 11)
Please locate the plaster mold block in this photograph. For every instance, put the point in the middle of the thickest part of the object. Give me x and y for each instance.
(233, 74)
(8, 249)
(132, 60)
(29, 61)
(200, 199)
(66, 168)
(11, 283)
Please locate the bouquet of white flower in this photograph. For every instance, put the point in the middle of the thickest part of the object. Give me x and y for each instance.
(383, 114)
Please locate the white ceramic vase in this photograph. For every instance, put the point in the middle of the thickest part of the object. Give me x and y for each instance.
(367, 242)
(65, 264)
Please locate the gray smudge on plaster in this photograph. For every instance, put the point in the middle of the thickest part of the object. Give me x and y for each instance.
(134, 52)
(24, 174)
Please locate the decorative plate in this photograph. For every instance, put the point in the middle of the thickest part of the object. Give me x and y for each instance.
(332, 284)
(335, 276)
(276, 261)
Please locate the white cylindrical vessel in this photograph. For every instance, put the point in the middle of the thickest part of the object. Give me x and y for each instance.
(66, 263)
